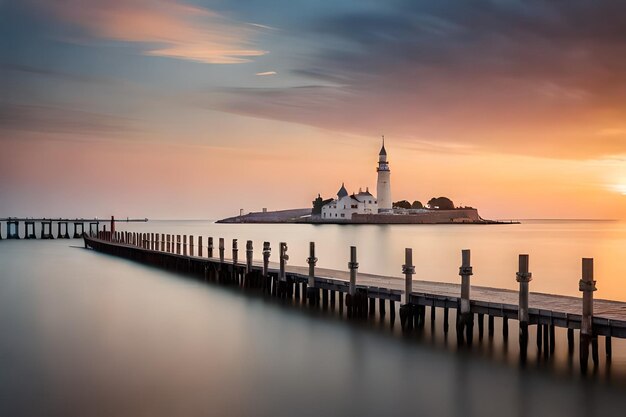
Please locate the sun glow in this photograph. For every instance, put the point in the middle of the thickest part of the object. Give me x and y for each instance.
(620, 188)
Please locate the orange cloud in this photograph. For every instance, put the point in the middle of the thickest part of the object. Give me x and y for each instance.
(164, 28)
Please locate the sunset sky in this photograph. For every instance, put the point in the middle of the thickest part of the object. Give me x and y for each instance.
(195, 109)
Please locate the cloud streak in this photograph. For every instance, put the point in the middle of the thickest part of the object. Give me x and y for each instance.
(538, 78)
(163, 28)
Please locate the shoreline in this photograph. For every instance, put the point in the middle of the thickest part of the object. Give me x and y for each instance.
(303, 216)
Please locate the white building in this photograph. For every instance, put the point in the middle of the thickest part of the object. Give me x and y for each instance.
(345, 205)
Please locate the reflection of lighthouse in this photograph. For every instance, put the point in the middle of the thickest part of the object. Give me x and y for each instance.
(383, 188)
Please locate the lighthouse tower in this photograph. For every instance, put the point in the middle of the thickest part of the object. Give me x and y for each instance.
(383, 188)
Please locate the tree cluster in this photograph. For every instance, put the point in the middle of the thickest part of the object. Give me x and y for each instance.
(404, 204)
(436, 203)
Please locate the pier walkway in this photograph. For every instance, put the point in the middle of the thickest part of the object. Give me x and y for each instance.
(319, 285)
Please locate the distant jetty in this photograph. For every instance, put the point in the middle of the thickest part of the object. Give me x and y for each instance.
(424, 216)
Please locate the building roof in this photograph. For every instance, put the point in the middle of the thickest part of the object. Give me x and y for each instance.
(342, 191)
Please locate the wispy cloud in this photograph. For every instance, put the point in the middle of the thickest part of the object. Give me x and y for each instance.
(56, 119)
(163, 28)
(263, 74)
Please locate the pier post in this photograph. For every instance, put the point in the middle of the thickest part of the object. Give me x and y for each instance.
(587, 285)
(209, 249)
(249, 256)
(169, 246)
(221, 250)
(185, 245)
(570, 341)
(29, 232)
(465, 318)
(191, 245)
(353, 266)
(76, 225)
(13, 229)
(523, 277)
(162, 242)
(235, 256)
(406, 309)
(152, 241)
(267, 250)
(178, 244)
(313, 294)
(282, 278)
(46, 230)
(200, 246)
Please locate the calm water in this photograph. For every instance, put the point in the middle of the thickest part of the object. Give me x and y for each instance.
(85, 334)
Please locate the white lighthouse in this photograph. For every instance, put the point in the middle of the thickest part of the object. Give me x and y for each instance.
(383, 188)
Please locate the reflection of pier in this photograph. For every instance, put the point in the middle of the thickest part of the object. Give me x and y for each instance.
(361, 296)
(62, 226)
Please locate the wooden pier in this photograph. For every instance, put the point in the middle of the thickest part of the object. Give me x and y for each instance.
(63, 228)
(362, 294)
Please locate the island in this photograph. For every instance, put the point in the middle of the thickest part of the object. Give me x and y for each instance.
(365, 208)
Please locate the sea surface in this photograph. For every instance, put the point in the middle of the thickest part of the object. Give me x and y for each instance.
(87, 334)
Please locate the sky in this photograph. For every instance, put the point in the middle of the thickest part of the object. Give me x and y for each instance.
(194, 109)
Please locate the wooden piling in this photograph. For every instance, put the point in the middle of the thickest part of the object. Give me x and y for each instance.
(505, 328)
(162, 242)
(546, 341)
(282, 276)
(221, 249)
(313, 293)
(587, 286)
(353, 266)
(406, 309)
(200, 246)
(185, 245)
(178, 244)
(570, 341)
(465, 319)
(249, 256)
(267, 250)
(523, 277)
(191, 245)
(209, 250)
(351, 299)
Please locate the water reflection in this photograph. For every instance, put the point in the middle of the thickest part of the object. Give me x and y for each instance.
(87, 334)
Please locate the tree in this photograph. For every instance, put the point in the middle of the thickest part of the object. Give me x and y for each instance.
(417, 205)
(402, 204)
(441, 203)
